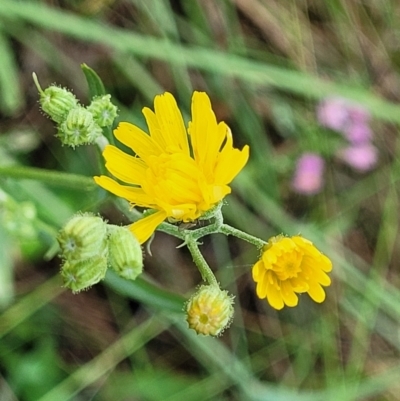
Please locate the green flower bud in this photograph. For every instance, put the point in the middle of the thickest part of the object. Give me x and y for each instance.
(209, 310)
(56, 102)
(78, 128)
(80, 275)
(125, 253)
(104, 112)
(83, 237)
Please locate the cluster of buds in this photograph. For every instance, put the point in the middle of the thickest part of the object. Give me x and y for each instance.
(89, 245)
(77, 125)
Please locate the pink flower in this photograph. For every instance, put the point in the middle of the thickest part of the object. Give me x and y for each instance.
(351, 119)
(357, 132)
(359, 114)
(333, 113)
(308, 177)
(362, 157)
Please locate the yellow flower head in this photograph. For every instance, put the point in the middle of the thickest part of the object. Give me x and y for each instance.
(180, 173)
(288, 266)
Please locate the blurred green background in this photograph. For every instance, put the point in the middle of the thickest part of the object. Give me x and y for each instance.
(265, 65)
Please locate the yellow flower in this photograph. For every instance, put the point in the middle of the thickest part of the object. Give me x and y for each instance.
(288, 266)
(180, 173)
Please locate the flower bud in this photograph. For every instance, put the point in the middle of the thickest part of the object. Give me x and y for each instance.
(103, 111)
(209, 310)
(83, 237)
(125, 253)
(80, 275)
(56, 102)
(78, 128)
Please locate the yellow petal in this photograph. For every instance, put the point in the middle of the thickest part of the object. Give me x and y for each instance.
(261, 288)
(205, 134)
(257, 270)
(218, 193)
(136, 139)
(269, 257)
(154, 127)
(288, 295)
(132, 194)
(171, 123)
(312, 268)
(308, 247)
(316, 292)
(230, 163)
(322, 277)
(299, 285)
(274, 296)
(144, 228)
(326, 263)
(129, 169)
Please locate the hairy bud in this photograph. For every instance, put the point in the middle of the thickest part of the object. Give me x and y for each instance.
(56, 102)
(80, 275)
(210, 310)
(78, 128)
(103, 111)
(125, 253)
(83, 237)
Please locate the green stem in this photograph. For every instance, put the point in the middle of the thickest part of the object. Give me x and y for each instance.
(108, 135)
(200, 262)
(127, 209)
(56, 178)
(228, 230)
(211, 228)
(36, 81)
(198, 233)
(101, 142)
(170, 229)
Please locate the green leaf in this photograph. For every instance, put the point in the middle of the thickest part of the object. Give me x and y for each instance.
(143, 291)
(96, 86)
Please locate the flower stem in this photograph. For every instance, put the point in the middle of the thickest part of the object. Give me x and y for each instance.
(170, 229)
(228, 230)
(200, 262)
(101, 142)
(197, 233)
(56, 178)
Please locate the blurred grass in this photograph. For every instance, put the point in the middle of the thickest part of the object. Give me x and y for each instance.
(264, 64)
(11, 99)
(212, 61)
